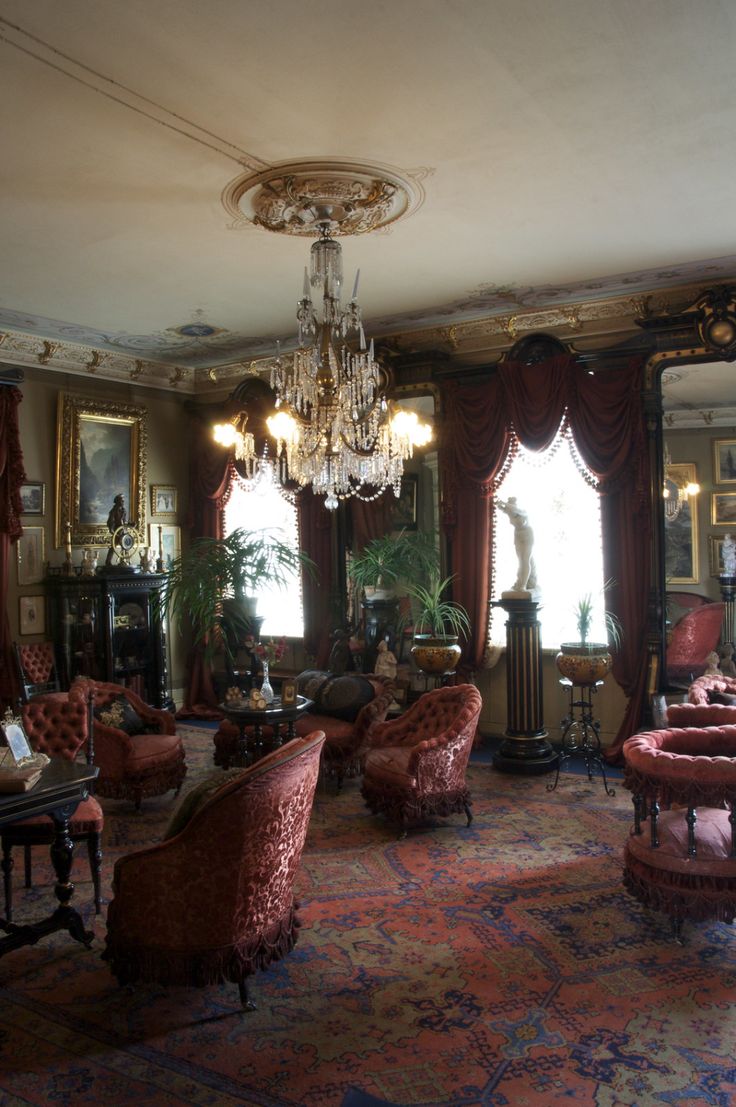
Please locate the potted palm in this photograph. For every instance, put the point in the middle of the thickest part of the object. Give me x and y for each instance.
(584, 662)
(213, 585)
(386, 562)
(439, 622)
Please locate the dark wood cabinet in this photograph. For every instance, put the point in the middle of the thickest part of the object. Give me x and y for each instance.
(110, 627)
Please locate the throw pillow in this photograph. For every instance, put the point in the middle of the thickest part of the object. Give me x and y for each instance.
(342, 697)
(721, 697)
(310, 681)
(196, 797)
(120, 714)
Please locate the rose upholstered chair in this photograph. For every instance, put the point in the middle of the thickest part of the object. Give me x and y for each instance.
(347, 707)
(36, 669)
(680, 857)
(214, 901)
(137, 749)
(416, 764)
(57, 724)
(712, 689)
(694, 637)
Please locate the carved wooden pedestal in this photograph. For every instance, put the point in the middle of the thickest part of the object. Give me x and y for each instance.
(526, 749)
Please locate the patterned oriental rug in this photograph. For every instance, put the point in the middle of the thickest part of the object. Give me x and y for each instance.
(502, 964)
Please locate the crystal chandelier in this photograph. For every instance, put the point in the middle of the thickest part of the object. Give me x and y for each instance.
(333, 426)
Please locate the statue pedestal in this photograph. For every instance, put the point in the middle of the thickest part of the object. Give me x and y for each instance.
(526, 749)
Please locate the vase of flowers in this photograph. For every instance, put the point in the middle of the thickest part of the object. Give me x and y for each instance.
(269, 653)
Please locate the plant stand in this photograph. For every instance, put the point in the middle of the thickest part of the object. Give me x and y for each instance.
(581, 734)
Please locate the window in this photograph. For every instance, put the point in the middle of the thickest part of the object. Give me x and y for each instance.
(564, 513)
(262, 504)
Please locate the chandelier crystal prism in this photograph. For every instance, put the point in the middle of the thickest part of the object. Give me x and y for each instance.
(333, 426)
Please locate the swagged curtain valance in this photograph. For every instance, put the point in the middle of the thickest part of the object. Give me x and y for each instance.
(530, 403)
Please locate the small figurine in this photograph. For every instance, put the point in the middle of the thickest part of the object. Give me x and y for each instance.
(147, 560)
(340, 659)
(711, 665)
(87, 566)
(386, 662)
(117, 518)
(727, 666)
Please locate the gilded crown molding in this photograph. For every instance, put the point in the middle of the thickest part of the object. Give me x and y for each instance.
(294, 197)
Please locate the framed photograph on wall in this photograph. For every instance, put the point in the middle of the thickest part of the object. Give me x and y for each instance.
(32, 614)
(163, 500)
(404, 509)
(723, 509)
(33, 498)
(680, 526)
(165, 541)
(724, 461)
(30, 554)
(100, 454)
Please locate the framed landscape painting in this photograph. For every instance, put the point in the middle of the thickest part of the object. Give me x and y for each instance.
(724, 461)
(100, 454)
(723, 509)
(33, 497)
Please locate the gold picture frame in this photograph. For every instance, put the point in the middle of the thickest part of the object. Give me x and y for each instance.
(724, 461)
(681, 526)
(30, 555)
(723, 509)
(164, 500)
(715, 552)
(100, 453)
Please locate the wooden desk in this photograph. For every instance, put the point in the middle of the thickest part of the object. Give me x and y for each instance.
(59, 791)
(275, 715)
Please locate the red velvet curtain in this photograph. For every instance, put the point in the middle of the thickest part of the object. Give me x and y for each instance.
(12, 475)
(315, 537)
(605, 414)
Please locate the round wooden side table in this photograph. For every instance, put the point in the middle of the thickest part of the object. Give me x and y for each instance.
(250, 723)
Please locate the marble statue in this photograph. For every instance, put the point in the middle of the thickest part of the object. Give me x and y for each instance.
(526, 576)
(386, 662)
(729, 555)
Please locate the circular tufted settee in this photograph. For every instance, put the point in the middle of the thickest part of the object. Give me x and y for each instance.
(680, 857)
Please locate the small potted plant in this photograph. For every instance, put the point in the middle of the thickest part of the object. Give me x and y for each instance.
(438, 624)
(585, 662)
(386, 562)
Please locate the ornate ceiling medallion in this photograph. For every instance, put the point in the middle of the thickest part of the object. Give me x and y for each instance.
(297, 197)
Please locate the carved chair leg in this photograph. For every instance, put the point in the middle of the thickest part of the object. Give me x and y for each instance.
(247, 1004)
(94, 850)
(27, 866)
(468, 813)
(7, 866)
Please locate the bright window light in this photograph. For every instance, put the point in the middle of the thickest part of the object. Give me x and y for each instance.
(262, 504)
(564, 513)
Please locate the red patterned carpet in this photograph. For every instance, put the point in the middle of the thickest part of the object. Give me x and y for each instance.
(501, 964)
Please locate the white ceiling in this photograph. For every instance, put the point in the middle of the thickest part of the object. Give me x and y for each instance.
(566, 150)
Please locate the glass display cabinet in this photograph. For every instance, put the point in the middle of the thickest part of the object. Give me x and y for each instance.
(109, 627)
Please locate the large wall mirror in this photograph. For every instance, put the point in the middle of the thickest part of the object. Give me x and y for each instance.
(696, 442)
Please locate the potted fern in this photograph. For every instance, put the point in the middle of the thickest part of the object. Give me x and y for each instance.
(438, 624)
(584, 662)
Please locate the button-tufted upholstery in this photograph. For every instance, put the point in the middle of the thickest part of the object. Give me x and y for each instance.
(346, 741)
(132, 767)
(215, 902)
(56, 724)
(36, 669)
(416, 764)
(693, 638)
(700, 689)
(682, 860)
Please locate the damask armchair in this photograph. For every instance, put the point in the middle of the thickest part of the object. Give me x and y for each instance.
(416, 764)
(692, 639)
(57, 724)
(137, 749)
(214, 901)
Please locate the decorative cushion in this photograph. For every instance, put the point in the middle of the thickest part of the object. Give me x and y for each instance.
(339, 697)
(120, 714)
(196, 797)
(721, 697)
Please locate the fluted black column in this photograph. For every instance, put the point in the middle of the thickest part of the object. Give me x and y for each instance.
(526, 749)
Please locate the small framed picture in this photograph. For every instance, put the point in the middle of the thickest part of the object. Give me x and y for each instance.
(724, 461)
(723, 509)
(715, 550)
(33, 498)
(288, 691)
(163, 500)
(30, 554)
(32, 614)
(165, 541)
(16, 740)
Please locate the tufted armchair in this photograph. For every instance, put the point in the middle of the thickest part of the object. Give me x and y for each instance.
(57, 724)
(694, 637)
(680, 857)
(416, 764)
(36, 669)
(214, 901)
(348, 726)
(137, 749)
